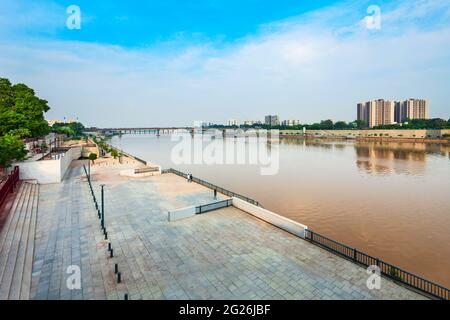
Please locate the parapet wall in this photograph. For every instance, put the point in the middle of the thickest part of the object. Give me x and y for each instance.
(281, 222)
(48, 171)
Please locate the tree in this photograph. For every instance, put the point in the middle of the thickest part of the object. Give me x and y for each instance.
(360, 124)
(326, 125)
(114, 153)
(73, 130)
(21, 111)
(341, 125)
(6, 95)
(93, 157)
(11, 149)
(21, 116)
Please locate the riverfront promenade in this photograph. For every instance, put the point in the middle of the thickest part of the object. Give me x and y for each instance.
(223, 254)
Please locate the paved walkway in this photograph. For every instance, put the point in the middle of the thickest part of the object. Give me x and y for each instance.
(224, 254)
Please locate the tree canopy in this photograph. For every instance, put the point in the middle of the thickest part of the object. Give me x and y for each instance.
(11, 148)
(73, 130)
(21, 111)
(21, 116)
(435, 123)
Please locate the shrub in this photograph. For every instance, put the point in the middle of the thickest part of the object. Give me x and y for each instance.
(93, 157)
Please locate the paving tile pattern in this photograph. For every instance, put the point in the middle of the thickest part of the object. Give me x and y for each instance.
(224, 254)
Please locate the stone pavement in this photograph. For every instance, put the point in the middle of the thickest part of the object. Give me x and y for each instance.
(224, 254)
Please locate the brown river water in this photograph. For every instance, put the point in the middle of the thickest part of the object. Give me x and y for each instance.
(390, 200)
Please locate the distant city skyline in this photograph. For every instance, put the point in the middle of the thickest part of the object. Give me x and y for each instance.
(172, 63)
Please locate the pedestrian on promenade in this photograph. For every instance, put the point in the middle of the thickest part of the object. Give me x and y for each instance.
(215, 194)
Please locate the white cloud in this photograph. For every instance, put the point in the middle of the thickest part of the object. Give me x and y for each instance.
(310, 67)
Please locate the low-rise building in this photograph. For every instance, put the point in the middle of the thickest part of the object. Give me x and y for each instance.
(233, 122)
(290, 123)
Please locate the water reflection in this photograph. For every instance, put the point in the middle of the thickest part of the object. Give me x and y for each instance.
(397, 158)
(382, 157)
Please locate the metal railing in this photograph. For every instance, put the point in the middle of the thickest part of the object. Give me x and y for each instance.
(213, 206)
(9, 184)
(213, 187)
(388, 270)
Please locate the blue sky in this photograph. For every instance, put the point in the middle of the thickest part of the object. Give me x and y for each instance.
(136, 63)
(137, 23)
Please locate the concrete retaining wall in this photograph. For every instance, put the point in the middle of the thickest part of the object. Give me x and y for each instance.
(48, 171)
(286, 224)
(418, 134)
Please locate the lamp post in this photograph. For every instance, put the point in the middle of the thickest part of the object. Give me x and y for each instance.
(103, 206)
(89, 169)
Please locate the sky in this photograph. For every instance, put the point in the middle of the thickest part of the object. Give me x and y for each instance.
(170, 63)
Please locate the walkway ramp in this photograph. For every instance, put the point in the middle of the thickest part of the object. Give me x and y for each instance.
(17, 244)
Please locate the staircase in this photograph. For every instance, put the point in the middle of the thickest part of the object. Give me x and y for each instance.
(17, 244)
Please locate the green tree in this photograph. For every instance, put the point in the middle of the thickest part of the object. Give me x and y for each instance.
(11, 149)
(360, 124)
(341, 125)
(326, 125)
(6, 95)
(21, 116)
(73, 130)
(114, 153)
(93, 157)
(21, 110)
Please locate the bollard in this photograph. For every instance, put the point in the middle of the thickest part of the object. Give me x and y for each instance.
(111, 253)
(119, 277)
(116, 268)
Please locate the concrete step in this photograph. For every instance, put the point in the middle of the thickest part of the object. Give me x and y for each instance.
(10, 218)
(25, 241)
(17, 244)
(28, 266)
(10, 229)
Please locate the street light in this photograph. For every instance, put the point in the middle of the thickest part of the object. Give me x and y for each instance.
(103, 206)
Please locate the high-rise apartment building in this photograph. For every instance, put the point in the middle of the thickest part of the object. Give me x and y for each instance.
(382, 112)
(411, 109)
(272, 121)
(376, 113)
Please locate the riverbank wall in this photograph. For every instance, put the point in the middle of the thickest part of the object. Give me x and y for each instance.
(423, 136)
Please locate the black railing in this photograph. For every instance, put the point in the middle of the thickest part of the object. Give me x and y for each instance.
(213, 206)
(213, 187)
(386, 269)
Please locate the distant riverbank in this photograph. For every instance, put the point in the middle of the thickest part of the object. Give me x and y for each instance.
(369, 139)
(424, 136)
